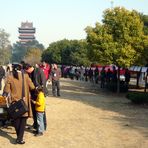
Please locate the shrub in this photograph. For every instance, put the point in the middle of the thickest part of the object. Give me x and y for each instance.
(138, 97)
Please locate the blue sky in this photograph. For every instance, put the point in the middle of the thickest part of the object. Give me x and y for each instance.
(58, 19)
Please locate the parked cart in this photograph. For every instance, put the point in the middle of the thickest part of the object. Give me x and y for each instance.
(3, 109)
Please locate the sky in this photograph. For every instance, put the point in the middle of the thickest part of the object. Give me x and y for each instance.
(55, 20)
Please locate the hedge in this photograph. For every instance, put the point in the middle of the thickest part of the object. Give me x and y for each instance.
(138, 97)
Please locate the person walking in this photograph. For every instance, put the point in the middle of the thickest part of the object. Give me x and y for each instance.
(13, 87)
(40, 110)
(55, 78)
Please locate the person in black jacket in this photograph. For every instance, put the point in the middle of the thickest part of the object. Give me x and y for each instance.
(38, 78)
(127, 76)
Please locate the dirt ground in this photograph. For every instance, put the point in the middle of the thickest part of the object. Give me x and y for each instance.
(86, 117)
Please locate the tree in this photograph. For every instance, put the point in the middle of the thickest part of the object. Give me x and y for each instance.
(144, 18)
(144, 56)
(68, 52)
(119, 40)
(35, 44)
(53, 52)
(33, 56)
(20, 50)
(79, 55)
(5, 47)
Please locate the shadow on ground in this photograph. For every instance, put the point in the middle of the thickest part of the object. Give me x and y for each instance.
(132, 116)
(6, 133)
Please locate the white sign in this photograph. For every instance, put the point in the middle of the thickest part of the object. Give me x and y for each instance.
(144, 69)
(1, 110)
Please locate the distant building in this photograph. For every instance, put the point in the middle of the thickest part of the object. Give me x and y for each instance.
(26, 32)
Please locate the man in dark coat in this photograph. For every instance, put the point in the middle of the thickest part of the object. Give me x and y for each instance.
(38, 78)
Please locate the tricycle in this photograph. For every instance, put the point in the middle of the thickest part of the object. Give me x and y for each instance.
(3, 110)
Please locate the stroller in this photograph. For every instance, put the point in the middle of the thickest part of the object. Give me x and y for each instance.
(4, 104)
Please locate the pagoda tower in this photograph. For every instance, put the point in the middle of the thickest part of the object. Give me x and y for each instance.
(26, 32)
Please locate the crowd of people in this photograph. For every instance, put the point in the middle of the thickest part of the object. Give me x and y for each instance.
(103, 75)
(33, 80)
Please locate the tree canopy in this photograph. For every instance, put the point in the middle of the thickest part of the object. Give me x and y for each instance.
(20, 51)
(5, 47)
(118, 40)
(144, 18)
(33, 56)
(68, 52)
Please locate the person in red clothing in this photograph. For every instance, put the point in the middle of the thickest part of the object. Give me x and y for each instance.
(46, 69)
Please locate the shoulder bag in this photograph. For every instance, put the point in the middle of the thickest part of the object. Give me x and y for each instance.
(18, 108)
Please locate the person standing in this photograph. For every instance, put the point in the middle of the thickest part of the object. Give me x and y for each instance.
(46, 69)
(108, 76)
(40, 110)
(96, 74)
(2, 74)
(55, 78)
(103, 76)
(90, 74)
(14, 86)
(38, 78)
(127, 77)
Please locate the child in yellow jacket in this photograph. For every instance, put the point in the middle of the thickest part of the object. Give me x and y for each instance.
(40, 111)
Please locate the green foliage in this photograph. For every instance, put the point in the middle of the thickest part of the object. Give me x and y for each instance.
(68, 52)
(20, 50)
(33, 56)
(137, 97)
(144, 56)
(4, 41)
(144, 19)
(119, 40)
(53, 53)
(5, 55)
(35, 44)
(5, 47)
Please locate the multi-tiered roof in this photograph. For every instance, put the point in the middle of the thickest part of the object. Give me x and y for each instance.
(26, 32)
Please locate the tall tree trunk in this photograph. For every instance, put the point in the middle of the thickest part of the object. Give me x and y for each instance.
(118, 80)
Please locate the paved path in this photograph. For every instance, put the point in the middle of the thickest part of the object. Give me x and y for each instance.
(87, 117)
